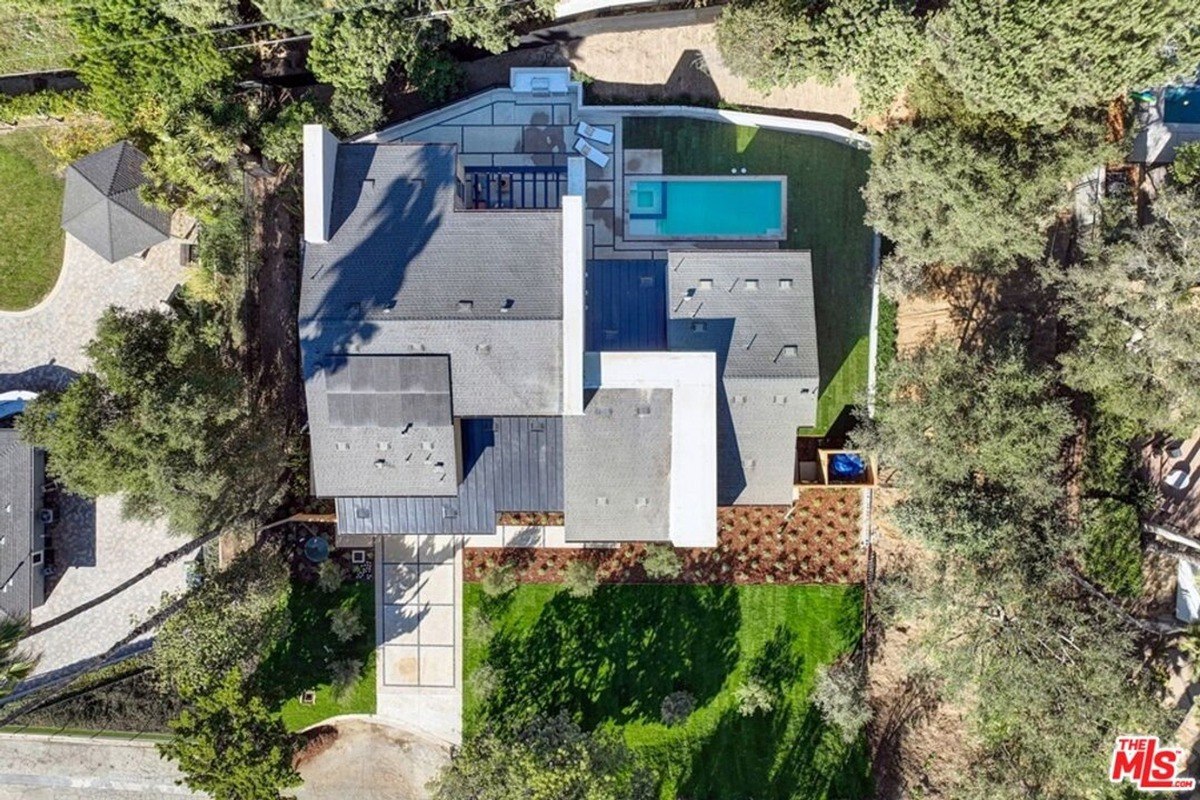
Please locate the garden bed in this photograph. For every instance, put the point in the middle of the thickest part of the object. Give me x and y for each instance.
(818, 543)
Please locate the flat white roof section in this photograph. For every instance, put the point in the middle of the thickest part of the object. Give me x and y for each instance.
(540, 80)
(692, 379)
(576, 175)
(320, 160)
(573, 320)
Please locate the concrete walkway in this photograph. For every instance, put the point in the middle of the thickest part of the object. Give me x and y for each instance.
(419, 631)
(64, 768)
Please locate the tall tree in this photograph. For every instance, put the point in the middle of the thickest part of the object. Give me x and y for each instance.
(16, 664)
(228, 745)
(1135, 311)
(1039, 60)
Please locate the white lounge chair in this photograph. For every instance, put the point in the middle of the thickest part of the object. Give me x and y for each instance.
(592, 154)
(595, 134)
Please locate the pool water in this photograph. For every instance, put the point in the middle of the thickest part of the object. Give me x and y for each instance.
(1181, 105)
(683, 208)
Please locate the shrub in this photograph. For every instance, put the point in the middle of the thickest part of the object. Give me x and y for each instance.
(755, 697)
(478, 625)
(343, 675)
(499, 580)
(80, 136)
(661, 561)
(1186, 168)
(838, 694)
(677, 707)
(44, 105)
(345, 623)
(484, 681)
(1112, 545)
(330, 576)
(580, 579)
(282, 138)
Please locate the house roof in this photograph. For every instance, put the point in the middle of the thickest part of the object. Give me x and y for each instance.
(101, 206)
(754, 309)
(618, 467)
(626, 305)
(21, 584)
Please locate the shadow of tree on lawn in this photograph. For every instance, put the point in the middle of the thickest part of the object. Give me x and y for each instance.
(615, 656)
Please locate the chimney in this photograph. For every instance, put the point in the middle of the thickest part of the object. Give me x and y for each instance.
(572, 323)
(320, 158)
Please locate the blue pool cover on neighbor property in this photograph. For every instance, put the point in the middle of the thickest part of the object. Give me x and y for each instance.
(846, 466)
(1181, 105)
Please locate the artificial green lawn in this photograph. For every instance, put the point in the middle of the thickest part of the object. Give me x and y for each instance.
(612, 658)
(825, 213)
(301, 661)
(31, 242)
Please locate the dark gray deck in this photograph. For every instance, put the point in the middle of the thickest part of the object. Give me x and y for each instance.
(509, 464)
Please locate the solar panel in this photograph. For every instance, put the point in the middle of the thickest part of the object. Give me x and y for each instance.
(388, 391)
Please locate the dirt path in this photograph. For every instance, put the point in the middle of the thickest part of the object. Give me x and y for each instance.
(372, 762)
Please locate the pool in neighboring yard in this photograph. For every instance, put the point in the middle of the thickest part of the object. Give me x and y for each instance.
(1181, 105)
(689, 207)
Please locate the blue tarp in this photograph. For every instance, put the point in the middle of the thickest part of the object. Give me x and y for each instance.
(846, 466)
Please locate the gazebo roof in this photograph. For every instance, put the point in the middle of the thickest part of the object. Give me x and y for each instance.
(101, 207)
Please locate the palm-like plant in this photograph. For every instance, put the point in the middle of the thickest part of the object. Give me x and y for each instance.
(15, 662)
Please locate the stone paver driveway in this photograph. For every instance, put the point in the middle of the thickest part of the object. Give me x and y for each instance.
(419, 631)
(40, 348)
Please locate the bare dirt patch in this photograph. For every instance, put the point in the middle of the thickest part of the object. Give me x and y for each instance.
(372, 762)
(814, 541)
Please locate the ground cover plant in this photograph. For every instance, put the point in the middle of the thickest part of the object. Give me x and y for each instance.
(825, 215)
(612, 659)
(31, 241)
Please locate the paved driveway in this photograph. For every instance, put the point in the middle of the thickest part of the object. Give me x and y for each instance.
(419, 596)
(41, 347)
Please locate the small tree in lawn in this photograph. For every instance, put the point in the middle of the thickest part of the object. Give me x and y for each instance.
(838, 693)
(228, 745)
(499, 580)
(755, 697)
(345, 623)
(484, 681)
(580, 578)
(330, 576)
(662, 562)
(677, 707)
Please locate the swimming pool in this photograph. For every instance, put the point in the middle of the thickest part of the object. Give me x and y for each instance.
(1181, 105)
(707, 207)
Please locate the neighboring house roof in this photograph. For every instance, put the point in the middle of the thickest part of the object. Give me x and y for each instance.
(509, 464)
(618, 467)
(101, 206)
(21, 477)
(406, 272)
(755, 310)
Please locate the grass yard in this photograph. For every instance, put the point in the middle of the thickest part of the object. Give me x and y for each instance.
(612, 658)
(303, 660)
(825, 215)
(31, 242)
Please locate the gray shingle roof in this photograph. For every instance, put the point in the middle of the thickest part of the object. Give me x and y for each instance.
(101, 207)
(618, 467)
(766, 343)
(21, 582)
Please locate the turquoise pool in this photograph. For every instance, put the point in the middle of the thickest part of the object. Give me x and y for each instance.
(1181, 105)
(685, 207)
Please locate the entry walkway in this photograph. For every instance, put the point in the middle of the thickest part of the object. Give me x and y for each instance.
(419, 631)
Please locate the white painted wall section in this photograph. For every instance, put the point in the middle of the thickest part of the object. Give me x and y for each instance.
(572, 326)
(692, 379)
(320, 160)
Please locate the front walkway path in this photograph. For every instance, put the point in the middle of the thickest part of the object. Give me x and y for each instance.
(419, 631)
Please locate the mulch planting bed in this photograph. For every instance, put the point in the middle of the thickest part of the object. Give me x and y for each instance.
(817, 543)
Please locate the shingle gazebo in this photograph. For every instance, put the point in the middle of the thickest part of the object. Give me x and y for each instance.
(101, 207)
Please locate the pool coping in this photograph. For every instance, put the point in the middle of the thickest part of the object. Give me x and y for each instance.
(627, 215)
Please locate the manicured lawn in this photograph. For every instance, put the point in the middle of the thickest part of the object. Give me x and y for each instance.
(302, 661)
(612, 658)
(825, 215)
(31, 242)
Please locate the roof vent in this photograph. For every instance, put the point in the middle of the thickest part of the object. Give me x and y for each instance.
(483, 348)
(380, 463)
(427, 446)
(643, 411)
(507, 305)
(749, 463)
(641, 502)
(699, 326)
(384, 446)
(389, 306)
(646, 280)
(341, 445)
(601, 501)
(791, 350)
(362, 512)
(781, 399)
(465, 306)
(785, 283)
(449, 512)
(752, 284)
(706, 283)
(604, 412)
